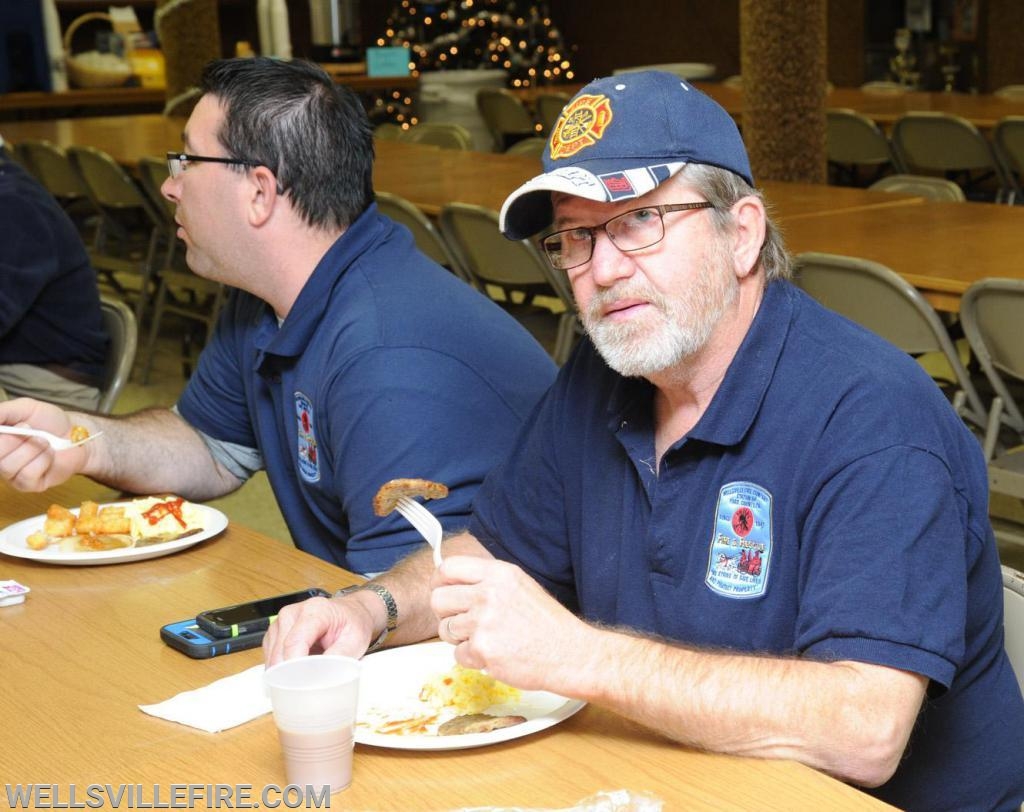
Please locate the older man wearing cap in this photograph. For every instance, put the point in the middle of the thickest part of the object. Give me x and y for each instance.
(736, 517)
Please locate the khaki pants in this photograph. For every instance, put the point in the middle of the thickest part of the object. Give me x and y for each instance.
(26, 380)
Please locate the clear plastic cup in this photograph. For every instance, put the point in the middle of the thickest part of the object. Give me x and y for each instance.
(314, 702)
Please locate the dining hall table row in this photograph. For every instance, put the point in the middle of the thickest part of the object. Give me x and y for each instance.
(83, 651)
(940, 247)
(983, 110)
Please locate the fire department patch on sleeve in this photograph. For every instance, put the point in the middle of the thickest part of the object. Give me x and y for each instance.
(308, 461)
(741, 546)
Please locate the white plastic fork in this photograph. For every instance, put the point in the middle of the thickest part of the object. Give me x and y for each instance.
(424, 521)
(56, 443)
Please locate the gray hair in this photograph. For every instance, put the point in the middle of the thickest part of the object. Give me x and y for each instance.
(723, 188)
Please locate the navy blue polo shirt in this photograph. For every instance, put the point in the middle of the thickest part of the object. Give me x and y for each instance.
(387, 366)
(828, 504)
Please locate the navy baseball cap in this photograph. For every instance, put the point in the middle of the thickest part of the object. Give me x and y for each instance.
(619, 138)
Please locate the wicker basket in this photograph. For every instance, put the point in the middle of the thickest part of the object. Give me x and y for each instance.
(91, 68)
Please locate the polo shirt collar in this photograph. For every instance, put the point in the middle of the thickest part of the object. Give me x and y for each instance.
(309, 308)
(736, 403)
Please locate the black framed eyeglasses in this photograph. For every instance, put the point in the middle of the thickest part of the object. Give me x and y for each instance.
(177, 162)
(630, 231)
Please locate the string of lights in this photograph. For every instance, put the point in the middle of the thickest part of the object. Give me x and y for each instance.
(475, 34)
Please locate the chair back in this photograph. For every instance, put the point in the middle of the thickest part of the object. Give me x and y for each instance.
(923, 185)
(446, 136)
(122, 327)
(505, 116)
(548, 107)
(684, 70)
(152, 174)
(992, 312)
(940, 142)
(853, 138)
(1010, 92)
(425, 233)
(108, 184)
(882, 301)
(516, 268)
(49, 164)
(533, 147)
(131, 228)
(882, 87)
(1008, 139)
(387, 131)
(1013, 620)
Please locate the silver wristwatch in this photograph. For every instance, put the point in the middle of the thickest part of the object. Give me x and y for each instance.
(389, 604)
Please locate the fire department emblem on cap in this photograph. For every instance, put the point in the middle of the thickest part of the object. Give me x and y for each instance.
(581, 124)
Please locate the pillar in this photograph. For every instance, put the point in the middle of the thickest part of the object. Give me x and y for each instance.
(783, 63)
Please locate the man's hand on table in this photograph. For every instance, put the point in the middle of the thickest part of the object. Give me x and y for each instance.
(342, 625)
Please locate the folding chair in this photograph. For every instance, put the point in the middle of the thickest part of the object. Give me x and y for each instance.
(446, 136)
(425, 233)
(885, 303)
(130, 232)
(1008, 140)
(49, 164)
(1013, 620)
(992, 311)
(505, 116)
(123, 331)
(922, 185)
(854, 142)
(533, 146)
(548, 107)
(948, 145)
(180, 291)
(511, 272)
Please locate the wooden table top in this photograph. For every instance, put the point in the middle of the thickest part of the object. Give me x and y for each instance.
(940, 248)
(84, 650)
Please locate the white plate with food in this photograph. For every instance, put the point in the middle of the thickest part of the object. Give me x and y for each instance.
(392, 713)
(112, 533)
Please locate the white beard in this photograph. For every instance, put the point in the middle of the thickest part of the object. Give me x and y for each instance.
(681, 327)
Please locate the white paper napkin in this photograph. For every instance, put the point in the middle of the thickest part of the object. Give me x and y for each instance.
(223, 704)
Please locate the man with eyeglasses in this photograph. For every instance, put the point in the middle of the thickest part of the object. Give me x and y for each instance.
(344, 358)
(736, 517)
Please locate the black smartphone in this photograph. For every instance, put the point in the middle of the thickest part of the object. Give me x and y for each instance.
(254, 616)
(186, 636)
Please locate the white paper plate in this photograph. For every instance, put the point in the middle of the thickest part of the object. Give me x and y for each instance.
(13, 542)
(389, 688)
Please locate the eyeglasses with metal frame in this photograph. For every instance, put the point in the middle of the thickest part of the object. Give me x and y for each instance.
(632, 230)
(177, 162)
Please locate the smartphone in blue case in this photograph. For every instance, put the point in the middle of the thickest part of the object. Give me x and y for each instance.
(187, 636)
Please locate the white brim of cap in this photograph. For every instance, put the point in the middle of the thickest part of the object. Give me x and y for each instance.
(528, 209)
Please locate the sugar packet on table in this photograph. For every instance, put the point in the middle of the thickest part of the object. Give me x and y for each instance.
(11, 592)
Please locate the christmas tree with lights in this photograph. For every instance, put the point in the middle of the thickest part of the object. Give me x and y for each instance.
(519, 38)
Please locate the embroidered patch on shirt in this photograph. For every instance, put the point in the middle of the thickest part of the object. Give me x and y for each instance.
(309, 462)
(741, 547)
